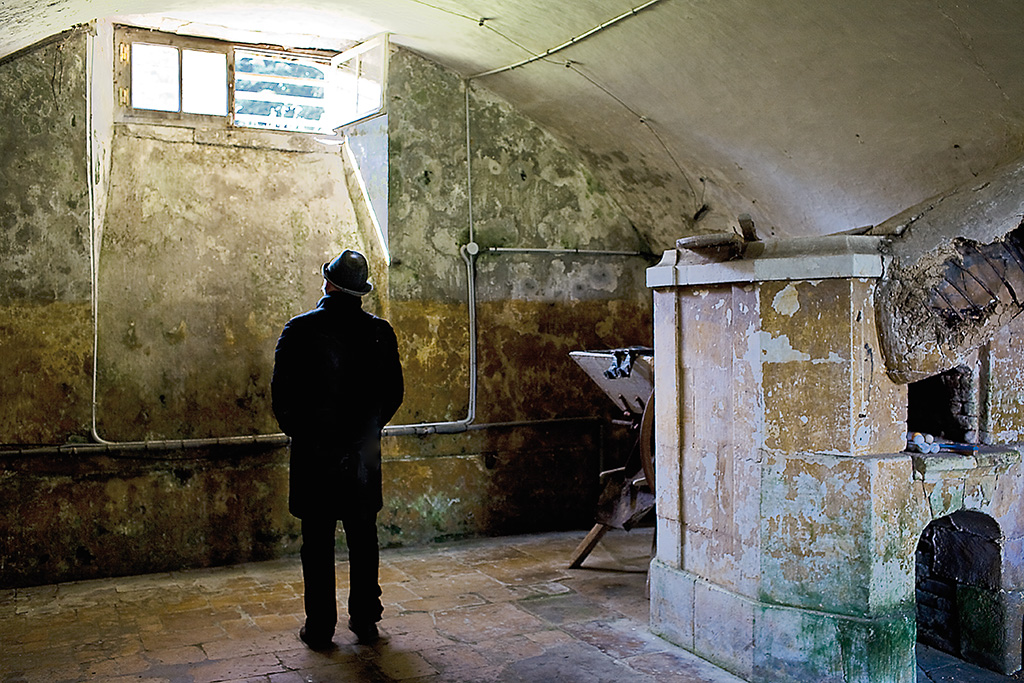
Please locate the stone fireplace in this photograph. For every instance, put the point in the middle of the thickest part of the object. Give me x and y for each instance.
(798, 536)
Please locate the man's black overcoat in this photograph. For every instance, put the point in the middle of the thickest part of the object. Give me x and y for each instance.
(337, 381)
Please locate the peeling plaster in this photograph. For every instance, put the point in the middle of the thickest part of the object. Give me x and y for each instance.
(779, 349)
(787, 302)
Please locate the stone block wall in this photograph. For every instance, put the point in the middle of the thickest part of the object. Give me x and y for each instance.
(979, 618)
(969, 572)
(789, 562)
(946, 405)
(959, 559)
(788, 510)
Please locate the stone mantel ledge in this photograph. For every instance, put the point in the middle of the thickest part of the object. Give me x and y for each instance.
(803, 258)
(935, 466)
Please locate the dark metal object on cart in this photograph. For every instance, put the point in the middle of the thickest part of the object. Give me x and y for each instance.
(627, 377)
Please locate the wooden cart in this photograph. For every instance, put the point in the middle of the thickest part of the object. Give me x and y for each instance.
(627, 377)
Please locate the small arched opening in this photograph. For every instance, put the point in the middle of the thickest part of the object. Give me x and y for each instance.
(945, 405)
(959, 602)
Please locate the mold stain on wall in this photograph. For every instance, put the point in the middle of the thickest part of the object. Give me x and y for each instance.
(207, 250)
(528, 190)
(45, 346)
(210, 241)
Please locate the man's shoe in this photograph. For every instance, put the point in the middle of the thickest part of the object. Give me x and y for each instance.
(366, 633)
(318, 644)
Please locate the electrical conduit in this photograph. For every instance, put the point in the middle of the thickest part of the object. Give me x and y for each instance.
(468, 252)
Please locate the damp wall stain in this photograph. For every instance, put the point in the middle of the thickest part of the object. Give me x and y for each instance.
(492, 482)
(45, 366)
(44, 204)
(87, 516)
(528, 191)
(45, 335)
(207, 250)
(209, 241)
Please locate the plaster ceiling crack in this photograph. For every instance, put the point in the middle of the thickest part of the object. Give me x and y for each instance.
(967, 42)
(698, 204)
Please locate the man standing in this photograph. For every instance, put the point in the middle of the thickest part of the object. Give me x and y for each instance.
(337, 381)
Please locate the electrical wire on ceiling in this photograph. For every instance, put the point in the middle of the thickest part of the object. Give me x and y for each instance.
(572, 65)
(558, 48)
(646, 122)
(482, 21)
(444, 9)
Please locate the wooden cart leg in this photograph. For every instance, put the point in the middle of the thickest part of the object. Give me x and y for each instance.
(588, 544)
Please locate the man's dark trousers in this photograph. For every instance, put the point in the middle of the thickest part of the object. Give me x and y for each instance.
(364, 605)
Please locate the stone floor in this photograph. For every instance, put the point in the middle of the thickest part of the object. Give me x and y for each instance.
(488, 610)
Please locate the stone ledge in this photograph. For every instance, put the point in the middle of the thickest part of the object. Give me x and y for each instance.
(252, 138)
(817, 258)
(937, 465)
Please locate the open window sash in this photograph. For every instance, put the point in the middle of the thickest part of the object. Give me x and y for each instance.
(362, 74)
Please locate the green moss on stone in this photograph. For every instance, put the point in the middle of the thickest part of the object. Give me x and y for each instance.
(879, 651)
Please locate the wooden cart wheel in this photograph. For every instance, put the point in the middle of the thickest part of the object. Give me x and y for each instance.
(647, 466)
(647, 442)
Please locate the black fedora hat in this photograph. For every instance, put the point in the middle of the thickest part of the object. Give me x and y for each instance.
(348, 272)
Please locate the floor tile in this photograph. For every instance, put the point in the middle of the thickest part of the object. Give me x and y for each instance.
(498, 610)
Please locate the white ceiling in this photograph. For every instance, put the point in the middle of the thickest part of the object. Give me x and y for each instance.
(814, 116)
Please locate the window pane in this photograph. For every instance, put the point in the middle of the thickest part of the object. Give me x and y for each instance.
(154, 77)
(369, 91)
(204, 82)
(280, 92)
(358, 82)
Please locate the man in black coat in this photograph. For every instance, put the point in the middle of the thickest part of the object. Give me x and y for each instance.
(337, 381)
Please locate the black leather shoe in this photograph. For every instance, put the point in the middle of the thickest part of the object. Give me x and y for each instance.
(318, 644)
(366, 633)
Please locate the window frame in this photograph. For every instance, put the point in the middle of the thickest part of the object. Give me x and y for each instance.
(379, 43)
(125, 36)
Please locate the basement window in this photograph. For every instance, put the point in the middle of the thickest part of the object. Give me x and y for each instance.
(168, 78)
(165, 78)
(281, 92)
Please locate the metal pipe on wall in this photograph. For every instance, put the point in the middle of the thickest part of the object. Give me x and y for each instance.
(137, 448)
(555, 250)
(469, 252)
(90, 67)
(101, 444)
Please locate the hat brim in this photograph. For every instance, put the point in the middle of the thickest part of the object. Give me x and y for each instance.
(354, 292)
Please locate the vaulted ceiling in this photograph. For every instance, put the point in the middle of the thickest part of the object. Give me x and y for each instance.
(814, 116)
